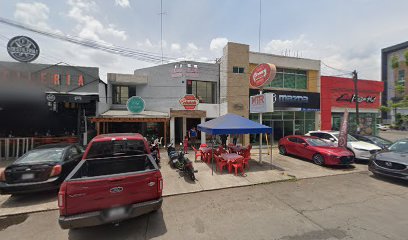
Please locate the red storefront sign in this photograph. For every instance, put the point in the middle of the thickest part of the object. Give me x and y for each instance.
(339, 92)
(189, 102)
(262, 75)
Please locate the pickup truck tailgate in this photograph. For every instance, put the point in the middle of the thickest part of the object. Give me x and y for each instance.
(107, 192)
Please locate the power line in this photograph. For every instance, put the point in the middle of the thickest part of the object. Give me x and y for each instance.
(123, 51)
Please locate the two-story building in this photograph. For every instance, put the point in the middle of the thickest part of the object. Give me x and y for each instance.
(162, 88)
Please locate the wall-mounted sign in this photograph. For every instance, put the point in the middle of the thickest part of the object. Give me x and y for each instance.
(261, 103)
(23, 49)
(185, 70)
(50, 97)
(135, 104)
(262, 75)
(352, 98)
(292, 99)
(189, 102)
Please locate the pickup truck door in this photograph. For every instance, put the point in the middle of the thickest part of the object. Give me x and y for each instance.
(98, 193)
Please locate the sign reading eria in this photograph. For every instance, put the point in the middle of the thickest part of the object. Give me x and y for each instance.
(23, 49)
(262, 75)
(135, 104)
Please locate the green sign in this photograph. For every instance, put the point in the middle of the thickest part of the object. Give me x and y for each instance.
(135, 105)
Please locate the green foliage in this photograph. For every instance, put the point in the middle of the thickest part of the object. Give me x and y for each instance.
(385, 109)
(400, 88)
(406, 57)
(394, 62)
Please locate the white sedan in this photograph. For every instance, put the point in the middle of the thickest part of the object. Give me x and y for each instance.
(360, 149)
(382, 127)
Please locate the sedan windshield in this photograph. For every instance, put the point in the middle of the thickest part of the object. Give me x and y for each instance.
(400, 146)
(316, 142)
(349, 137)
(379, 140)
(42, 155)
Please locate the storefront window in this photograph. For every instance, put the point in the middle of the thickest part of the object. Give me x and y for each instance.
(367, 122)
(401, 77)
(120, 94)
(289, 78)
(288, 115)
(204, 91)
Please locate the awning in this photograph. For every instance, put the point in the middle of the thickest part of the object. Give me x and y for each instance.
(72, 97)
(126, 116)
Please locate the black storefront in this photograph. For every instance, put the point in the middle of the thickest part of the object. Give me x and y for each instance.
(38, 100)
(294, 113)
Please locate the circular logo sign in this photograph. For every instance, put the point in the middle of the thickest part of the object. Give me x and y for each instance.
(262, 75)
(189, 102)
(50, 97)
(135, 104)
(23, 49)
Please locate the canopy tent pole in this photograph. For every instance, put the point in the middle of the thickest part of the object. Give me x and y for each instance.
(271, 149)
(212, 155)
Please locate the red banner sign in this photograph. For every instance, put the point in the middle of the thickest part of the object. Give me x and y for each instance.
(343, 130)
(262, 75)
(189, 102)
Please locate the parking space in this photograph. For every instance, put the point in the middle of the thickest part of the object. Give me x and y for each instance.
(283, 168)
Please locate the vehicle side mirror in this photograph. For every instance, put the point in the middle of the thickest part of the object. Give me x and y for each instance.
(332, 139)
(305, 144)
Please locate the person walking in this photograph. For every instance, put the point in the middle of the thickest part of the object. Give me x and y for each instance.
(234, 139)
(185, 144)
(192, 134)
(224, 139)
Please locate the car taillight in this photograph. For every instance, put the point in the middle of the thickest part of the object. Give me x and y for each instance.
(2, 175)
(56, 170)
(61, 199)
(160, 185)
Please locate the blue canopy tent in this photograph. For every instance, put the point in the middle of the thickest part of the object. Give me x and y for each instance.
(233, 124)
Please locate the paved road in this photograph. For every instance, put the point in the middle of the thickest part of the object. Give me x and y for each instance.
(393, 135)
(353, 206)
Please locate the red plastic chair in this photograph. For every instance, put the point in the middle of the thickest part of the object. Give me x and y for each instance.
(197, 153)
(238, 164)
(247, 157)
(203, 145)
(221, 163)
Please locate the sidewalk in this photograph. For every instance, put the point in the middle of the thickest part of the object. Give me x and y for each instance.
(283, 168)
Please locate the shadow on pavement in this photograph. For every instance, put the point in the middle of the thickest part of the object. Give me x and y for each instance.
(397, 181)
(148, 226)
(349, 167)
(24, 200)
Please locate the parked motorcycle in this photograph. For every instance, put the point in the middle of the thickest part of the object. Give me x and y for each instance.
(155, 152)
(179, 161)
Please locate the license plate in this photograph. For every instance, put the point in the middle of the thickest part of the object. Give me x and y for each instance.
(27, 176)
(116, 213)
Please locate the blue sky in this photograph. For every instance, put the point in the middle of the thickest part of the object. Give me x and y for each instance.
(344, 34)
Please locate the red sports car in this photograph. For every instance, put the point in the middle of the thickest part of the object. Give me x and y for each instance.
(315, 149)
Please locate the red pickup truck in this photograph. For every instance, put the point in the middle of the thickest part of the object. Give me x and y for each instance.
(117, 179)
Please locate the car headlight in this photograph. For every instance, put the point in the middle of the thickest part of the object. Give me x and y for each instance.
(359, 149)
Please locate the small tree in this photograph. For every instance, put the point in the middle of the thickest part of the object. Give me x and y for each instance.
(400, 88)
(394, 62)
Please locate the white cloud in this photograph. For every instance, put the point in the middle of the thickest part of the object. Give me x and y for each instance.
(217, 44)
(175, 47)
(35, 14)
(122, 3)
(88, 26)
(347, 58)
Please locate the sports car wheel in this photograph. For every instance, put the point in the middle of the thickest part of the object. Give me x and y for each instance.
(318, 159)
(282, 150)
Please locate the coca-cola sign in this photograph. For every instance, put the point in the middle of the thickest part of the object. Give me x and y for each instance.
(262, 75)
(189, 102)
(353, 98)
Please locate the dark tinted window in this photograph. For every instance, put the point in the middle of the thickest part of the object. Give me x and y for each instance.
(299, 140)
(326, 136)
(292, 139)
(319, 135)
(113, 148)
(42, 155)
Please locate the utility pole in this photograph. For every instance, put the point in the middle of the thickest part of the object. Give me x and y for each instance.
(260, 22)
(355, 78)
